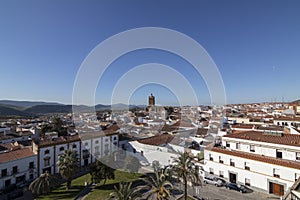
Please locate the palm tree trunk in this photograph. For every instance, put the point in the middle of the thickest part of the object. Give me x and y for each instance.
(68, 184)
(185, 189)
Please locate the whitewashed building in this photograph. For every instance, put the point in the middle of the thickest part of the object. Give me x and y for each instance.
(267, 161)
(17, 166)
(89, 147)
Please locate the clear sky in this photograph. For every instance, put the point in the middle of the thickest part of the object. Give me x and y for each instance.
(255, 44)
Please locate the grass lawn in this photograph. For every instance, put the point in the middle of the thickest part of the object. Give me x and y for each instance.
(61, 193)
(101, 191)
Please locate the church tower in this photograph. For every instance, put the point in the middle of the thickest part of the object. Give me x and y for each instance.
(151, 100)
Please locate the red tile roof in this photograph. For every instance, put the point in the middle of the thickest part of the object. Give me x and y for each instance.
(157, 140)
(15, 155)
(265, 159)
(284, 139)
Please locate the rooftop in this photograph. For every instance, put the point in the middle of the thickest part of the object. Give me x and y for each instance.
(15, 155)
(157, 140)
(283, 139)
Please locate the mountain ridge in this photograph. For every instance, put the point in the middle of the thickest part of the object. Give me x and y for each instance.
(23, 108)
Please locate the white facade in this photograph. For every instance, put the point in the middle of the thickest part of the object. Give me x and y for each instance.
(88, 151)
(261, 165)
(18, 170)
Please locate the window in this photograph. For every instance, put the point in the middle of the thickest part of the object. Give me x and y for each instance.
(211, 170)
(74, 146)
(278, 153)
(4, 172)
(47, 151)
(220, 160)
(247, 167)
(232, 163)
(46, 161)
(297, 176)
(97, 152)
(106, 151)
(115, 138)
(15, 170)
(252, 148)
(31, 165)
(97, 142)
(228, 144)
(221, 174)
(7, 183)
(276, 173)
(238, 146)
(106, 140)
(30, 176)
(85, 154)
(247, 181)
(297, 156)
(211, 158)
(86, 144)
(61, 148)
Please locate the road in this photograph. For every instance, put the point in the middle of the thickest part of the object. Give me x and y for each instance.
(221, 193)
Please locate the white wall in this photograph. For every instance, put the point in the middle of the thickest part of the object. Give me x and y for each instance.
(260, 173)
(23, 169)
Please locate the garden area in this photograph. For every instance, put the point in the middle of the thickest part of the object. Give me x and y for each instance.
(99, 192)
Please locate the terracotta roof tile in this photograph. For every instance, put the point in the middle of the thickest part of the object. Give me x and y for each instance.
(157, 140)
(284, 139)
(15, 155)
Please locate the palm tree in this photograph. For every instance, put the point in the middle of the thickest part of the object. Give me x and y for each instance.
(159, 184)
(125, 192)
(43, 184)
(68, 165)
(186, 170)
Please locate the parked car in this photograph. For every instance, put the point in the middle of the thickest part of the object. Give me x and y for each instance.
(213, 180)
(233, 186)
(144, 163)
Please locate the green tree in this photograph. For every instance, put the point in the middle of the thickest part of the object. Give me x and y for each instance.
(43, 184)
(99, 171)
(186, 170)
(125, 192)
(68, 166)
(57, 125)
(132, 164)
(159, 184)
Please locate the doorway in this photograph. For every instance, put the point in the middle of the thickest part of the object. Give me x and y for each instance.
(277, 189)
(232, 177)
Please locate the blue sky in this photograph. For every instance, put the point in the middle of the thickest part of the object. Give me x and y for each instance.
(255, 45)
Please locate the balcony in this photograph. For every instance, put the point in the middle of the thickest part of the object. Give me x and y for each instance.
(13, 172)
(276, 175)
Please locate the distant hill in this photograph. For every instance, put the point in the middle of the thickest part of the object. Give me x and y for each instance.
(296, 102)
(8, 111)
(26, 104)
(28, 108)
(47, 109)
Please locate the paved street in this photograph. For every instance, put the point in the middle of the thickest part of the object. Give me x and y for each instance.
(221, 193)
